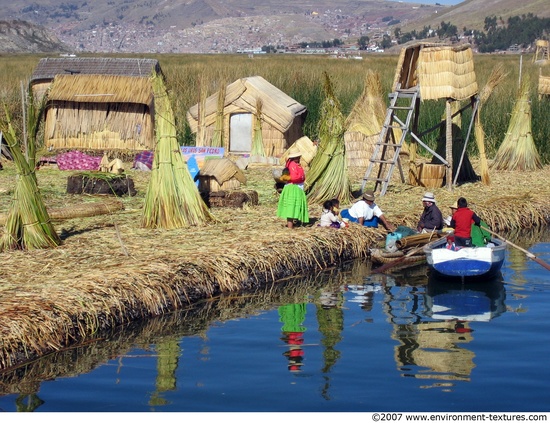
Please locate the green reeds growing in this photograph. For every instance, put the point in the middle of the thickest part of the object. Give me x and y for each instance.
(257, 139)
(28, 224)
(172, 199)
(327, 177)
(217, 138)
(518, 150)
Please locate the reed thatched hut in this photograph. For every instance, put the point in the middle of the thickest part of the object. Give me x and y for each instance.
(542, 51)
(248, 102)
(429, 72)
(219, 175)
(97, 103)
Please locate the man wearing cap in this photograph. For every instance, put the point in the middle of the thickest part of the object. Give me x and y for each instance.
(431, 218)
(453, 207)
(366, 213)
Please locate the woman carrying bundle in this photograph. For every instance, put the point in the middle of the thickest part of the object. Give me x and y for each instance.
(293, 202)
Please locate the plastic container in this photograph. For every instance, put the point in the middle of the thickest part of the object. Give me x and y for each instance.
(391, 238)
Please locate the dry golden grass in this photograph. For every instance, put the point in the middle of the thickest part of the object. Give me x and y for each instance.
(109, 270)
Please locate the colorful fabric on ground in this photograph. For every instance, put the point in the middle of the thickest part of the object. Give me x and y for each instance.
(293, 204)
(145, 157)
(76, 160)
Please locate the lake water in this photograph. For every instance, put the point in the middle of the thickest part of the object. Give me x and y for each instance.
(344, 340)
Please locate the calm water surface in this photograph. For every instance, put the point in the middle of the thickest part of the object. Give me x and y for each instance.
(343, 340)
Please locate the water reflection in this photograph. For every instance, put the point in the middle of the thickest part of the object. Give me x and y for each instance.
(330, 318)
(480, 301)
(168, 354)
(165, 333)
(429, 320)
(293, 316)
(436, 350)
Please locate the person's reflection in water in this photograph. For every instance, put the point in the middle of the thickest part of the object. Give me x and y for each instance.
(364, 295)
(292, 316)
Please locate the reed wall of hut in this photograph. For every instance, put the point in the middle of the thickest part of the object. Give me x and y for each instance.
(282, 117)
(99, 112)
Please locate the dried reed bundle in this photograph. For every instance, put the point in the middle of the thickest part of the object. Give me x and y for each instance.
(497, 76)
(327, 177)
(416, 240)
(172, 199)
(28, 224)
(368, 112)
(518, 150)
(80, 210)
(257, 139)
(217, 137)
(364, 123)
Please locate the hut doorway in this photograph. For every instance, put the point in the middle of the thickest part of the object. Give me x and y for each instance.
(240, 133)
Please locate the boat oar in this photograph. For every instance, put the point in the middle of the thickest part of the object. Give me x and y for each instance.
(398, 260)
(527, 253)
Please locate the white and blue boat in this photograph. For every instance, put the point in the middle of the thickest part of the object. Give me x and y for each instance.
(466, 261)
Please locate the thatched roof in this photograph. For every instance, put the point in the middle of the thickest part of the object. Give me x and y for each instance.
(441, 71)
(102, 89)
(278, 109)
(222, 170)
(48, 68)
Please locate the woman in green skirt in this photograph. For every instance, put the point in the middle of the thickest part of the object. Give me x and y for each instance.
(293, 202)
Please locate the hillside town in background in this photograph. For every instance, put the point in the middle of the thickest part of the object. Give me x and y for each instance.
(328, 32)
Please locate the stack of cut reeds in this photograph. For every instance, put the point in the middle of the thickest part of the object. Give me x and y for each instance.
(172, 199)
(327, 177)
(518, 150)
(28, 225)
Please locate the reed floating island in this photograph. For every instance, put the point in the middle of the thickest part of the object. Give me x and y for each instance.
(109, 270)
(133, 260)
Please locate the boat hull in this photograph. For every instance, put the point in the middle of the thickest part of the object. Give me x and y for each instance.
(466, 262)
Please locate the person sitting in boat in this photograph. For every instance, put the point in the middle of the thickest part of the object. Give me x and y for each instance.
(367, 213)
(450, 243)
(462, 221)
(431, 218)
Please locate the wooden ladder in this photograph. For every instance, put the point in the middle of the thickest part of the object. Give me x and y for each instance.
(387, 149)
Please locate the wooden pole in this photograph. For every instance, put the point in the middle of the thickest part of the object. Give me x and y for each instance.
(449, 143)
(527, 253)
